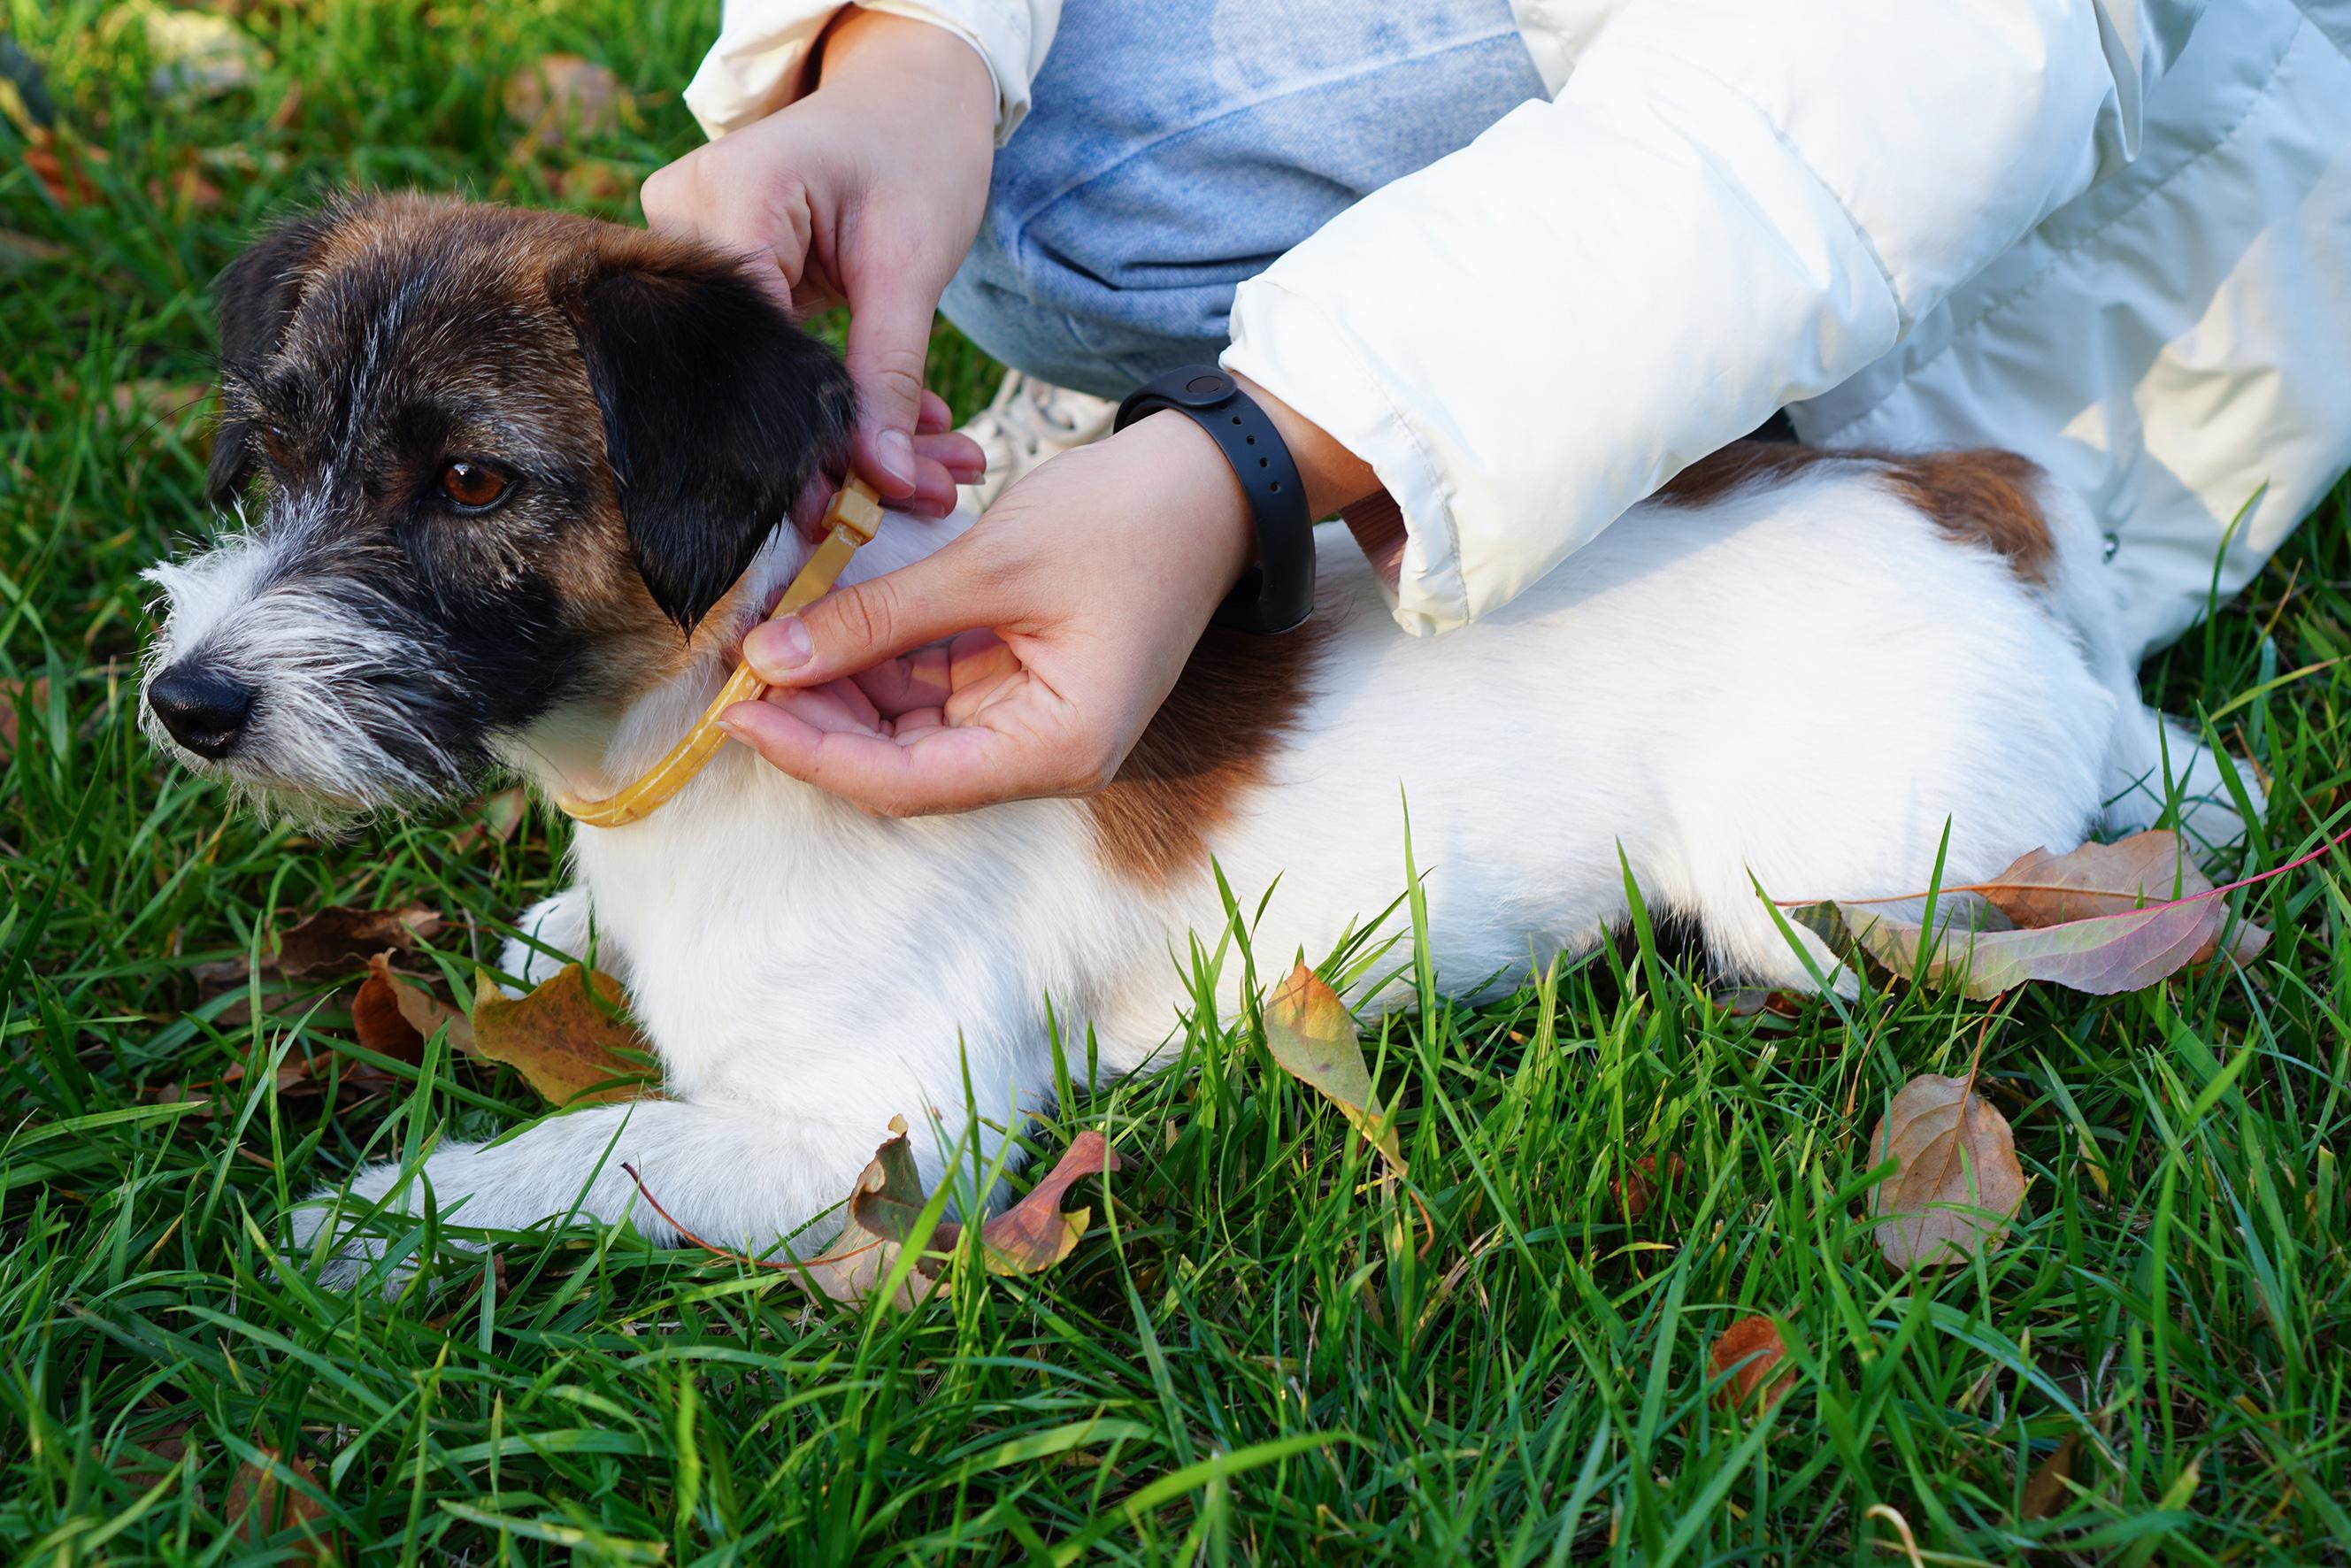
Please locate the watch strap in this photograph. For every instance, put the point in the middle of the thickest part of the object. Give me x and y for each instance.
(1276, 593)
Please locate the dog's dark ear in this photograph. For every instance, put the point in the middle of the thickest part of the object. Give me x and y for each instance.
(256, 295)
(717, 408)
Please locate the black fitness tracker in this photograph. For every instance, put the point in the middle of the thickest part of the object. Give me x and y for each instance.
(1277, 595)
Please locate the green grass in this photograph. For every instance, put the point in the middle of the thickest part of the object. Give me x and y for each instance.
(1256, 1357)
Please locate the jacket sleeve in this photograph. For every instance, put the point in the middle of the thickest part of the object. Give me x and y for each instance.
(755, 69)
(1729, 208)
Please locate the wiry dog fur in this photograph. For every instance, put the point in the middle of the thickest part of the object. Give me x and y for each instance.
(1791, 671)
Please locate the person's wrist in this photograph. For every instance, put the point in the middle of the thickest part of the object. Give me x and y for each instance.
(1193, 488)
(895, 55)
(1334, 478)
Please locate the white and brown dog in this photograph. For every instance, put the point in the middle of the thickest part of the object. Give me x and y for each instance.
(521, 479)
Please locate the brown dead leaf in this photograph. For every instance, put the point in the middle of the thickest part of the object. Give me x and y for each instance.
(60, 174)
(496, 819)
(394, 1015)
(294, 1077)
(340, 940)
(1311, 1035)
(1036, 1233)
(563, 97)
(2043, 888)
(569, 1039)
(154, 400)
(260, 1505)
(862, 1256)
(150, 1459)
(1638, 1187)
(886, 1204)
(596, 183)
(2046, 1495)
(1753, 1001)
(2100, 919)
(187, 190)
(1027, 1238)
(33, 695)
(1751, 1350)
(1957, 1185)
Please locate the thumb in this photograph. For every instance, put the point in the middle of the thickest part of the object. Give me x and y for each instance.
(889, 336)
(852, 629)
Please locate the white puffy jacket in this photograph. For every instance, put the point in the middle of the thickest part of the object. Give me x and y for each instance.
(2114, 234)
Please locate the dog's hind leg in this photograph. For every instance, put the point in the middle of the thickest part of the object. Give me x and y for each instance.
(738, 1176)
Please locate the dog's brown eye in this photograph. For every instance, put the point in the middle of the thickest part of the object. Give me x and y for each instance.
(472, 485)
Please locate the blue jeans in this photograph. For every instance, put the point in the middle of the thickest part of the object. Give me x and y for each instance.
(1176, 147)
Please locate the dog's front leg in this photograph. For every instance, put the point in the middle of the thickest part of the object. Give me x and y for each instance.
(738, 1176)
(554, 931)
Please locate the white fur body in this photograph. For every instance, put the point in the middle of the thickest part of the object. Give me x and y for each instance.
(1799, 685)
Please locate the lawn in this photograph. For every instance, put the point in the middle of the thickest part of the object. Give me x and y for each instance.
(1260, 1352)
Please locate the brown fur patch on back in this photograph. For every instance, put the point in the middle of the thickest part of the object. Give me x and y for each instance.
(1740, 464)
(1209, 746)
(1983, 494)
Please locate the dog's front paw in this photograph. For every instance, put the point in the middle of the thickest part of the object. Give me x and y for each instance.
(554, 931)
(360, 1243)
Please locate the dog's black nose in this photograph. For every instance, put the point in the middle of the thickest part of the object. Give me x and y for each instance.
(205, 711)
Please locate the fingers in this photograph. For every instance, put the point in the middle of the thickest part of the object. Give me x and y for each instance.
(696, 197)
(853, 629)
(940, 769)
(889, 335)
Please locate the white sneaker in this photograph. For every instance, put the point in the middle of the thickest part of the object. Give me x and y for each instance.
(1030, 421)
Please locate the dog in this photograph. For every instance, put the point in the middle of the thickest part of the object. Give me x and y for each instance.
(511, 486)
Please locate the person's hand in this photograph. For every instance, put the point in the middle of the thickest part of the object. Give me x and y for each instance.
(1022, 659)
(866, 191)
(1026, 657)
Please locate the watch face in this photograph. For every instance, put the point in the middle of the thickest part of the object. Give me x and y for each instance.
(1209, 385)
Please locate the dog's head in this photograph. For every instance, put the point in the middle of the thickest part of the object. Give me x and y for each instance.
(494, 468)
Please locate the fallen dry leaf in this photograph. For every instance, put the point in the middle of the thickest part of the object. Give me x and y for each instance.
(2043, 888)
(563, 97)
(34, 696)
(186, 191)
(394, 1015)
(1311, 1035)
(569, 1039)
(1027, 1238)
(888, 1197)
(596, 183)
(1957, 1184)
(1753, 1001)
(861, 1257)
(887, 1203)
(1637, 1189)
(60, 174)
(2100, 919)
(496, 819)
(1750, 1349)
(1037, 1233)
(340, 940)
(260, 1505)
(152, 400)
(2046, 1495)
